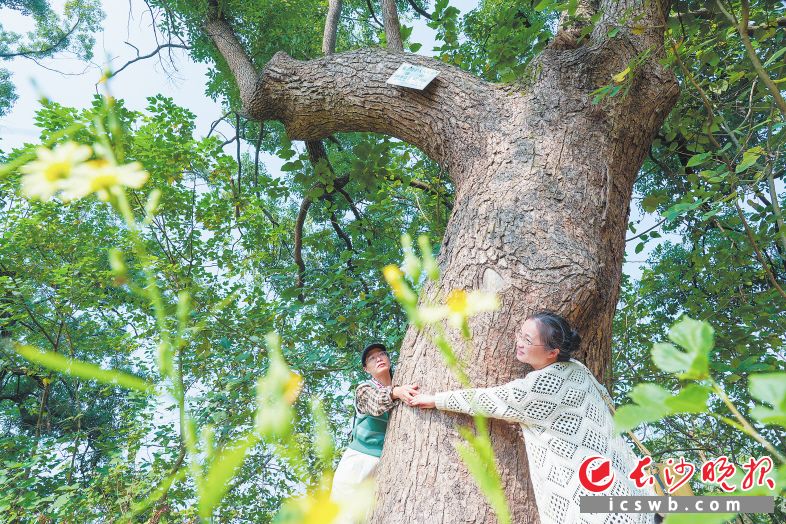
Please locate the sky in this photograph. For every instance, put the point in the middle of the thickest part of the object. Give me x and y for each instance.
(72, 82)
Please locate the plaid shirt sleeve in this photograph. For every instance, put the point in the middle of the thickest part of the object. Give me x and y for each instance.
(372, 400)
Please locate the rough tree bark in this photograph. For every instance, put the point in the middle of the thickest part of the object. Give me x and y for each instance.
(543, 182)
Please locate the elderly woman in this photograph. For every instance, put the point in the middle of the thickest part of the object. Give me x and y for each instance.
(374, 398)
(563, 413)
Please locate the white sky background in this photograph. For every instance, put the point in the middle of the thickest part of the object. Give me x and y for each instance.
(74, 82)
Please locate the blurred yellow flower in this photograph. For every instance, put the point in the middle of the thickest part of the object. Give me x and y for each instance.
(395, 279)
(292, 387)
(459, 306)
(393, 275)
(66, 170)
(457, 301)
(98, 176)
(45, 176)
(320, 509)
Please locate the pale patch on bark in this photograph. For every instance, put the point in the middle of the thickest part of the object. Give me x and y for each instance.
(493, 282)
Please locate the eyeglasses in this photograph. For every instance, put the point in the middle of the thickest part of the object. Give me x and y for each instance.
(380, 355)
(525, 341)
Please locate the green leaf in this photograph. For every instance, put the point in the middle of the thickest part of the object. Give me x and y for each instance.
(543, 5)
(429, 262)
(292, 166)
(323, 440)
(154, 495)
(774, 57)
(681, 207)
(670, 359)
(692, 399)
(649, 406)
(84, 370)
(712, 212)
(652, 201)
(699, 159)
(630, 416)
(696, 338)
(693, 335)
(749, 158)
(276, 392)
(769, 388)
(653, 402)
(59, 502)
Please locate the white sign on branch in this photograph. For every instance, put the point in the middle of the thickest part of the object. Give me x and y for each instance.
(413, 76)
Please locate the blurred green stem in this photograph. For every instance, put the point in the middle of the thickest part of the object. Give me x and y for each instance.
(744, 425)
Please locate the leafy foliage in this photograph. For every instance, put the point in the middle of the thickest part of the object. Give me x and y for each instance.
(52, 33)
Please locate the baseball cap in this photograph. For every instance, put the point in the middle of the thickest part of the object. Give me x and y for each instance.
(375, 345)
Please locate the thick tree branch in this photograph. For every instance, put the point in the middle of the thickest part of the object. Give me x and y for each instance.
(317, 155)
(355, 210)
(643, 21)
(373, 14)
(316, 149)
(331, 27)
(342, 235)
(392, 26)
(581, 17)
(301, 266)
(347, 92)
(240, 64)
(348, 243)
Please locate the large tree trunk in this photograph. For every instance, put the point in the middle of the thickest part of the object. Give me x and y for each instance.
(543, 184)
(540, 217)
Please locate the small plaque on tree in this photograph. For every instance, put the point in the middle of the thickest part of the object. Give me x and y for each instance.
(412, 76)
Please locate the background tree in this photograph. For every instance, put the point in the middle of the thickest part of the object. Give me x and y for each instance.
(52, 33)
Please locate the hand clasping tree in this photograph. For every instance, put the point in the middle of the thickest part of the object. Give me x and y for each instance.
(543, 180)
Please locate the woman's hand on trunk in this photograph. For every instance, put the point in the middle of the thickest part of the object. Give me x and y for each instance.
(423, 401)
(406, 392)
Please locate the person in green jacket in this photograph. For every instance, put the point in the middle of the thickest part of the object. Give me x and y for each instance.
(374, 398)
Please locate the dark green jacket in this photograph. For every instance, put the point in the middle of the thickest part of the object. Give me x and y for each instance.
(368, 434)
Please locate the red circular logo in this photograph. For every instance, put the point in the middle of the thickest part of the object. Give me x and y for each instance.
(592, 478)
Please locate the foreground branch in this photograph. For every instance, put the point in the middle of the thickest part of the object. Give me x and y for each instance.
(331, 27)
